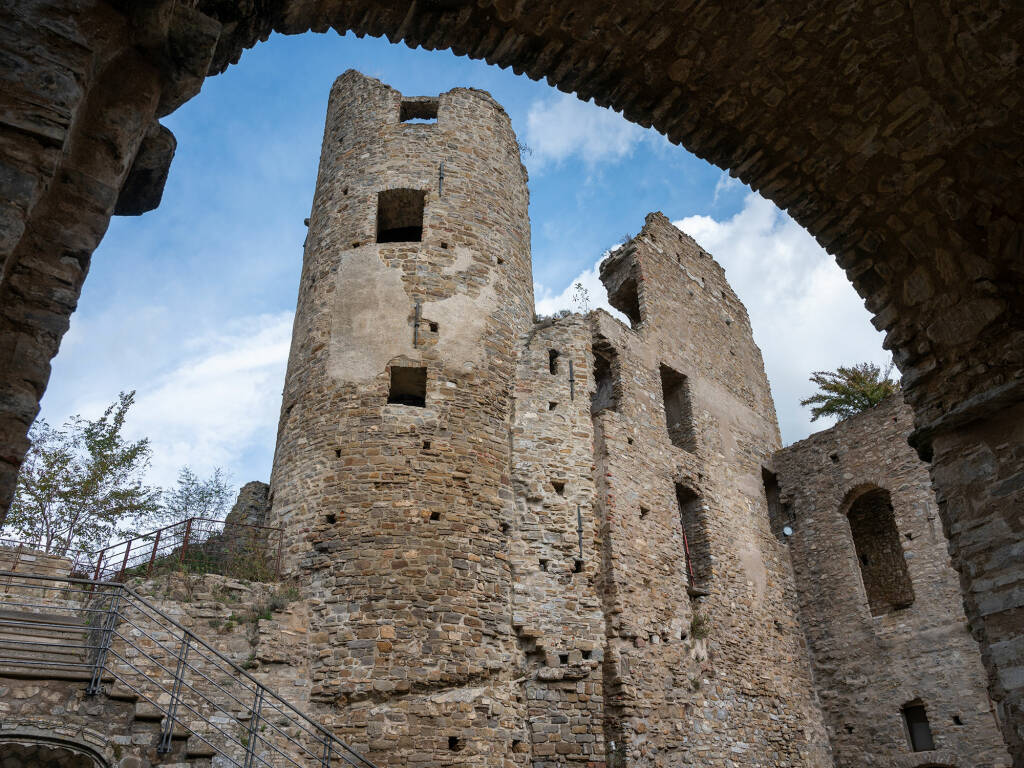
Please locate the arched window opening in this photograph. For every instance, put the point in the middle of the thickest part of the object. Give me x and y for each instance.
(919, 732)
(876, 539)
(26, 754)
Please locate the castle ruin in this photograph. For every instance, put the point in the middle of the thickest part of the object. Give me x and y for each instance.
(543, 542)
(546, 541)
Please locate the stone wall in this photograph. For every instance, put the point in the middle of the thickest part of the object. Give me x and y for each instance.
(874, 651)
(706, 668)
(554, 549)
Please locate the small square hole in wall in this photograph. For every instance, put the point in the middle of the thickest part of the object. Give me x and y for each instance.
(418, 111)
(644, 512)
(577, 565)
(444, 245)
(504, 527)
(559, 487)
(834, 457)
(433, 327)
(435, 515)
(455, 744)
(629, 441)
(957, 720)
(408, 386)
(426, 445)
(330, 518)
(337, 453)
(552, 406)
(543, 564)
(587, 655)
(552, 361)
(563, 658)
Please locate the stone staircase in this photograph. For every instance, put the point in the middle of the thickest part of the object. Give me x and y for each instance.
(103, 654)
(56, 643)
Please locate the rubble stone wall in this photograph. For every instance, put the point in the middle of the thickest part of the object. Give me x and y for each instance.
(705, 670)
(869, 663)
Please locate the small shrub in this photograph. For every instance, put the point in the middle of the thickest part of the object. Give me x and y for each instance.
(699, 626)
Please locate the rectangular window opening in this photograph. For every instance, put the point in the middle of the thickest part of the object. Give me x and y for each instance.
(418, 111)
(918, 730)
(552, 361)
(400, 215)
(696, 546)
(606, 377)
(675, 390)
(408, 386)
(772, 493)
(876, 541)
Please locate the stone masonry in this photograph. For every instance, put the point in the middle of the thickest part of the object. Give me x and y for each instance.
(525, 542)
(891, 131)
(551, 542)
(884, 631)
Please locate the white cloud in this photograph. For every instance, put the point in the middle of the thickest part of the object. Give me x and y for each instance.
(805, 314)
(562, 127)
(219, 401)
(216, 406)
(724, 184)
(548, 303)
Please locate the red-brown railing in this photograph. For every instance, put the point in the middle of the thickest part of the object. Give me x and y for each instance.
(197, 544)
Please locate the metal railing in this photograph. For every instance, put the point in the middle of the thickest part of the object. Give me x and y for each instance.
(199, 545)
(126, 639)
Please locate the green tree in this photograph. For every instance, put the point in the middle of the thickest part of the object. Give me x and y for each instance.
(195, 497)
(82, 484)
(847, 391)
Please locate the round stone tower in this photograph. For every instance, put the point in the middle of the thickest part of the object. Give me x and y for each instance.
(392, 469)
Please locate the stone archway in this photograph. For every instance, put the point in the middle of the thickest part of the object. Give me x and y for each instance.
(47, 754)
(892, 133)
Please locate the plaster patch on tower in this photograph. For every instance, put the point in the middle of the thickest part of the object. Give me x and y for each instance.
(753, 566)
(368, 329)
(463, 319)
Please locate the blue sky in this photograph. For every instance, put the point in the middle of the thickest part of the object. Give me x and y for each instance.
(191, 304)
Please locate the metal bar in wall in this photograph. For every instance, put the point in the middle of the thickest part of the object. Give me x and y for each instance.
(579, 529)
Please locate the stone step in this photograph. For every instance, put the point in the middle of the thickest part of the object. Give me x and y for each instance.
(66, 674)
(56, 621)
(29, 648)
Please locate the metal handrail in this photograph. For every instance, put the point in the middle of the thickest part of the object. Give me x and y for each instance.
(108, 661)
(177, 542)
